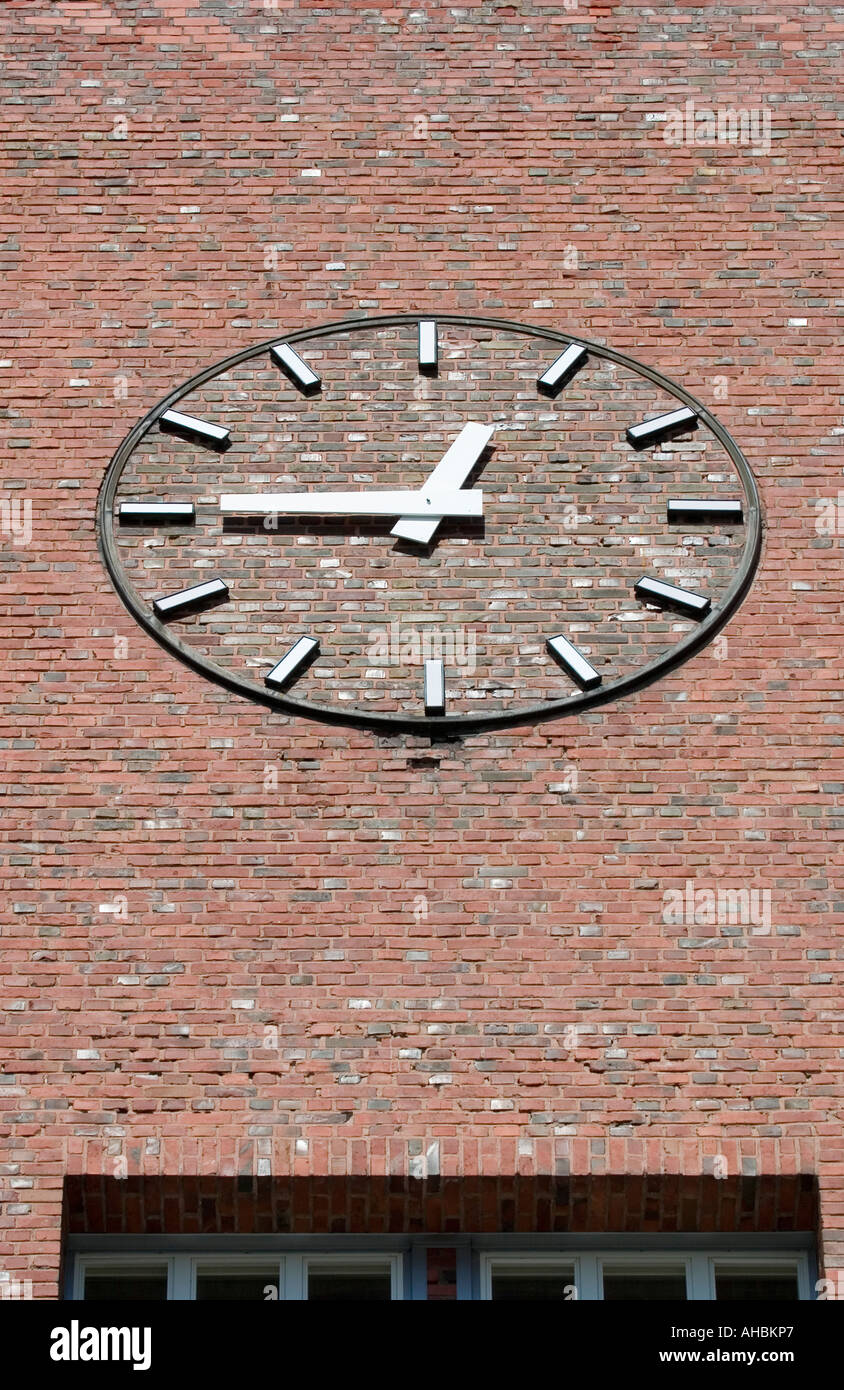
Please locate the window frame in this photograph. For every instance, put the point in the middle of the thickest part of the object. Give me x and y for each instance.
(184, 1256)
(291, 1265)
(556, 1260)
(340, 1260)
(771, 1261)
(658, 1261)
(211, 1264)
(698, 1266)
(99, 1264)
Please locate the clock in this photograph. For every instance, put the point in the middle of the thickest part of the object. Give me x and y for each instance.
(430, 523)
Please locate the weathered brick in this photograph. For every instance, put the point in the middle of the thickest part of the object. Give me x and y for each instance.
(172, 850)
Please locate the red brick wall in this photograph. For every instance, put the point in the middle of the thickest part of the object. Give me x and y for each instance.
(162, 211)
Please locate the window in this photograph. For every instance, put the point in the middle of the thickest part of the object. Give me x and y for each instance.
(754, 1283)
(387, 1269)
(332, 1281)
(638, 1276)
(232, 1284)
(531, 1279)
(640, 1283)
(120, 1283)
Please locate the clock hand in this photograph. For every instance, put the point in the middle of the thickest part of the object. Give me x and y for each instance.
(452, 471)
(431, 502)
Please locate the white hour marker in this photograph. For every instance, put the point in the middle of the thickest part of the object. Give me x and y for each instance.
(295, 369)
(705, 509)
(661, 427)
(162, 513)
(197, 431)
(192, 600)
(427, 345)
(293, 663)
(562, 370)
(574, 662)
(669, 596)
(434, 678)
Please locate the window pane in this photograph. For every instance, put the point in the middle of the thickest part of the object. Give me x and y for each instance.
(734, 1285)
(532, 1282)
(327, 1283)
(639, 1285)
(143, 1285)
(238, 1284)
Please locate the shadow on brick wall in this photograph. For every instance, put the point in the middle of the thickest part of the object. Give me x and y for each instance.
(210, 1205)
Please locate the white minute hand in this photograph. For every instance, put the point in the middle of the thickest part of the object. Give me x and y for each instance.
(430, 502)
(452, 471)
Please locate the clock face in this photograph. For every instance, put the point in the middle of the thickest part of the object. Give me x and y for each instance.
(431, 524)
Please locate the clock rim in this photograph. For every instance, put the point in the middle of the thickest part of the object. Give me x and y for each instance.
(448, 725)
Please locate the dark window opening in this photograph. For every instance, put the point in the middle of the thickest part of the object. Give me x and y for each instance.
(347, 1283)
(120, 1286)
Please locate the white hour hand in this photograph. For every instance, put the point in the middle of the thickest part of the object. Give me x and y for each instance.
(452, 471)
(435, 502)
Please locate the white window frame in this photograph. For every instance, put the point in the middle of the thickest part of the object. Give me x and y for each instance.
(476, 1257)
(232, 1264)
(545, 1260)
(656, 1260)
(291, 1270)
(340, 1261)
(795, 1261)
(699, 1267)
(121, 1263)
